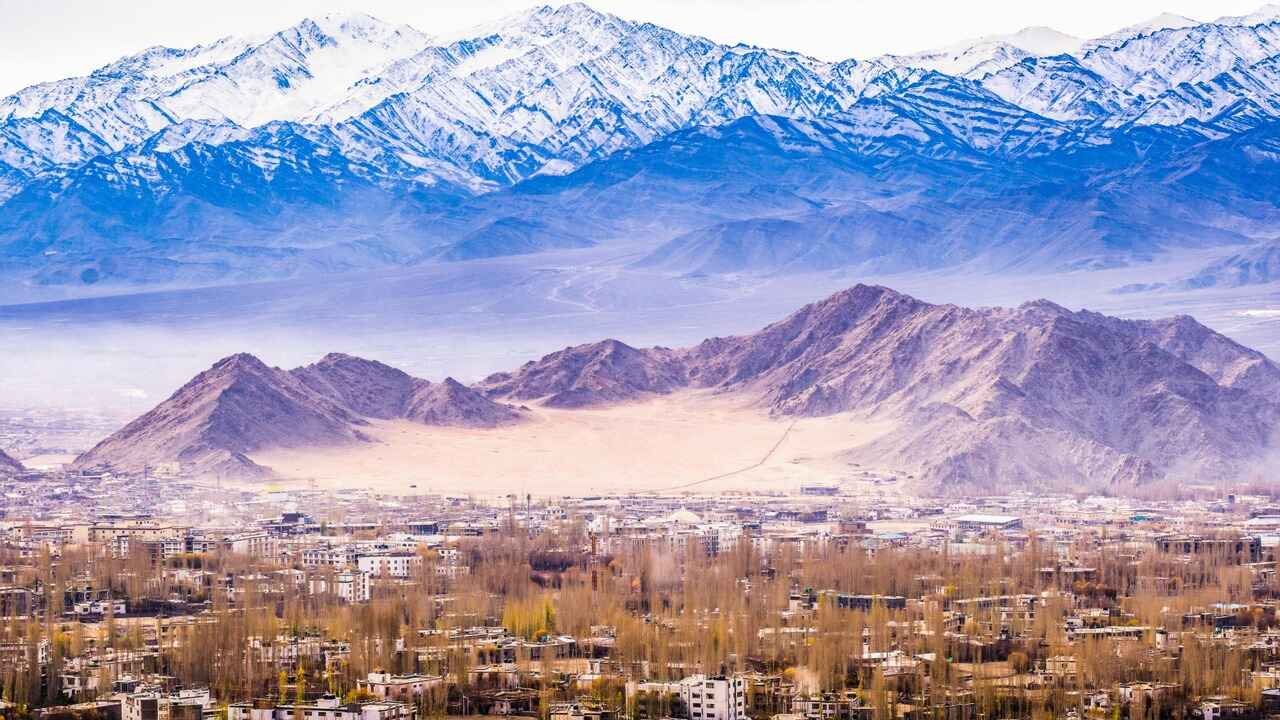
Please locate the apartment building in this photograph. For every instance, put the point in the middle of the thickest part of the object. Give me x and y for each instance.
(714, 698)
(396, 565)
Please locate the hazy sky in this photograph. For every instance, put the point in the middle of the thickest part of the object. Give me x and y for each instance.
(51, 39)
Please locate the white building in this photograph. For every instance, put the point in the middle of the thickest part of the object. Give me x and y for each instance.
(253, 544)
(327, 707)
(714, 698)
(354, 587)
(978, 522)
(187, 704)
(396, 565)
(403, 688)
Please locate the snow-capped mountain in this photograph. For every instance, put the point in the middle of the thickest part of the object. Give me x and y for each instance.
(178, 163)
(291, 75)
(983, 56)
(1163, 21)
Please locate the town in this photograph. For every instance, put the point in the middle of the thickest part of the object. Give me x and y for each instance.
(150, 597)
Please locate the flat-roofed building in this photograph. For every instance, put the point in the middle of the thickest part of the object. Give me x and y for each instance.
(987, 522)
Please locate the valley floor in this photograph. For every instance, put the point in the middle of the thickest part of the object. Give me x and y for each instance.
(690, 441)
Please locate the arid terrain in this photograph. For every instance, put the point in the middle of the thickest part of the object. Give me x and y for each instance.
(972, 400)
(689, 439)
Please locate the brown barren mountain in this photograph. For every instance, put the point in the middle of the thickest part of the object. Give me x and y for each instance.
(452, 404)
(237, 406)
(605, 372)
(241, 405)
(989, 399)
(372, 389)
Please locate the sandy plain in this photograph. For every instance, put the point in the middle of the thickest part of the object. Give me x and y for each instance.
(691, 441)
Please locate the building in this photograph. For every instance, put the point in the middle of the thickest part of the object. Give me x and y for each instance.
(352, 587)
(328, 707)
(180, 705)
(252, 544)
(581, 710)
(396, 565)
(830, 706)
(15, 601)
(845, 601)
(1221, 708)
(403, 688)
(1236, 550)
(976, 523)
(714, 698)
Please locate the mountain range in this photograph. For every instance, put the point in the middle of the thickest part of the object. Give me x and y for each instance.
(980, 399)
(347, 143)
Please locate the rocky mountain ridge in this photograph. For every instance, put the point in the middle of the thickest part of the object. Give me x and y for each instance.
(982, 399)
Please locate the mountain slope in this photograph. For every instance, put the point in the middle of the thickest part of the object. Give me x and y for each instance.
(988, 391)
(892, 188)
(366, 387)
(1255, 266)
(236, 407)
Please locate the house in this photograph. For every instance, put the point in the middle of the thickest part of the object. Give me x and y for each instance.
(1221, 708)
(328, 707)
(403, 688)
(830, 706)
(181, 705)
(581, 710)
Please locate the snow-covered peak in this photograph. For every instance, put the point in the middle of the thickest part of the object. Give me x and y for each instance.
(968, 60)
(357, 24)
(1041, 41)
(983, 56)
(1266, 14)
(538, 21)
(551, 19)
(1163, 21)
